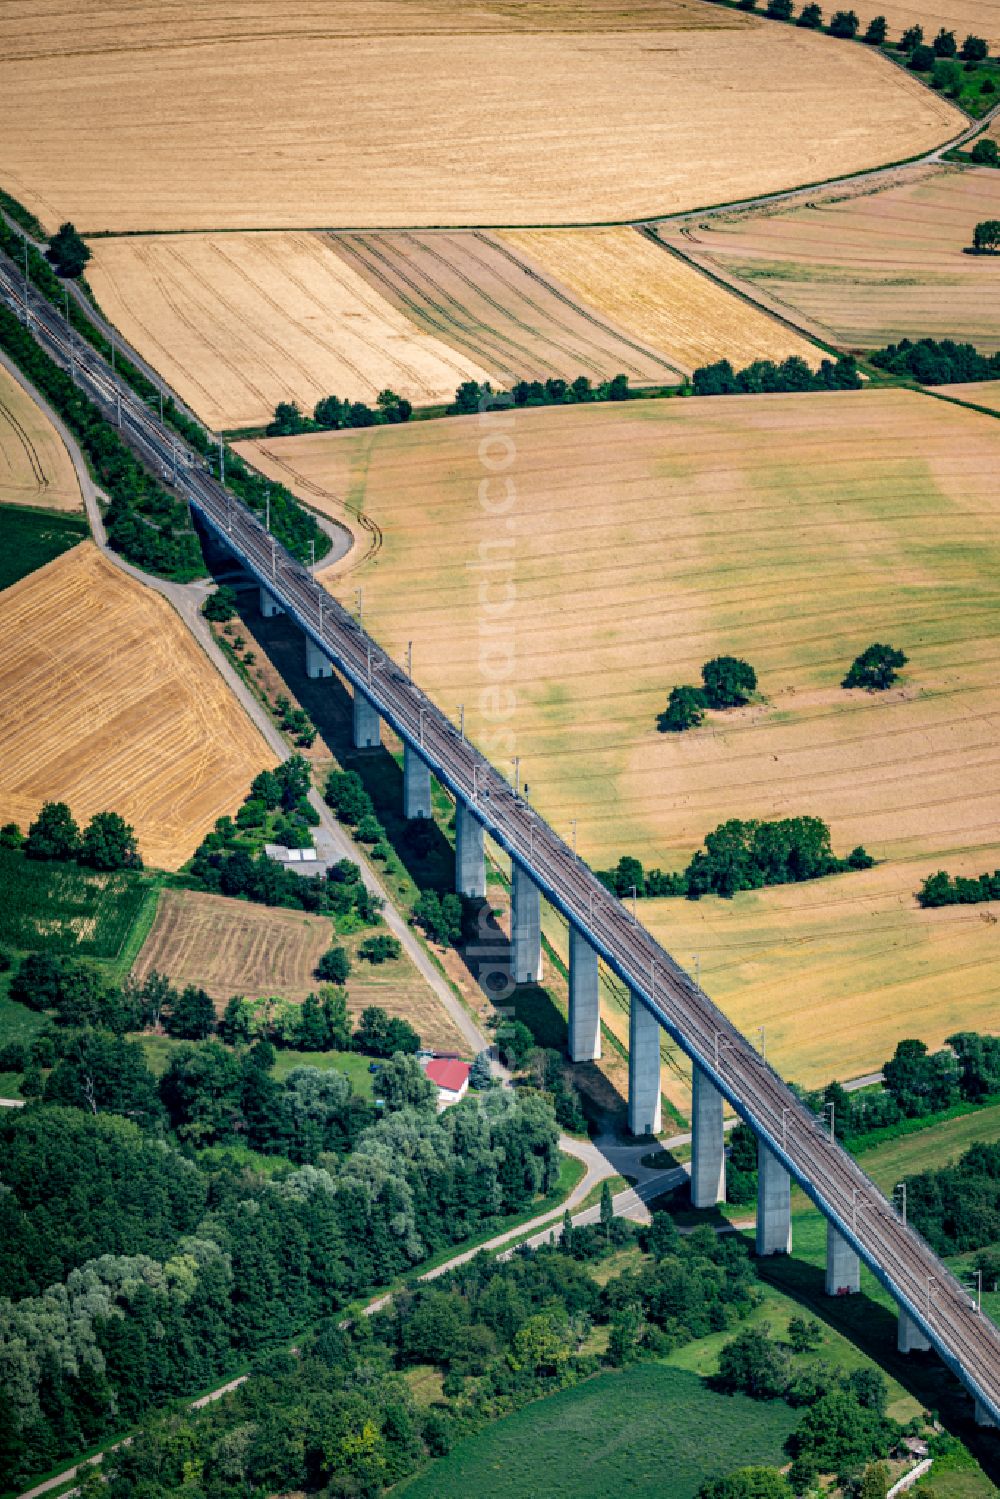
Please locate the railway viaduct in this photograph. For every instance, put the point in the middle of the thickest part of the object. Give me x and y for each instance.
(935, 1310)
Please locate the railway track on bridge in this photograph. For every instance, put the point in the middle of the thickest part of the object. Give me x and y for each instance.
(966, 1339)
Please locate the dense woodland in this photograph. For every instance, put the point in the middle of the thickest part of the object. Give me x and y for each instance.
(763, 377)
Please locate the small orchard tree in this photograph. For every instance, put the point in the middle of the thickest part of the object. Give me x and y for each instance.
(945, 44)
(986, 236)
(728, 681)
(875, 669)
(811, 17)
(912, 37)
(922, 59)
(780, 10)
(685, 709)
(845, 23)
(67, 252)
(109, 843)
(876, 32)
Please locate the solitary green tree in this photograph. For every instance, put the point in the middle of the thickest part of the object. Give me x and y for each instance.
(986, 153)
(220, 605)
(845, 23)
(912, 37)
(67, 252)
(334, 965)
(945, 44)
(607, 1209)
(780, 10)
(986, 235)
(974, 49)
(811, 17)
(875, 669)
(876, 32)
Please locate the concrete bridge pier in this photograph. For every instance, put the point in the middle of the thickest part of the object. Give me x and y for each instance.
(470, 858)
(644, 1103)
(774, 1204)
(843, 1268)
(367, 725)
(318, 664)
(416, 784)
(909, 1336)
(269, 605)
(584, 1040)
(708, 1146)
(525, 928)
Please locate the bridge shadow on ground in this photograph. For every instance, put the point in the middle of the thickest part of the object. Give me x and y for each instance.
(871, 1326)
(423, 846)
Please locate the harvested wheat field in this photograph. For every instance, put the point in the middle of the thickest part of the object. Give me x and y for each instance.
(641, 540)
(658, 297)
(403, 115)
(233, 947)
(35, 468)
(106, 702)
(239, 322)
(474, 291)
(977, 393)
(868, 269)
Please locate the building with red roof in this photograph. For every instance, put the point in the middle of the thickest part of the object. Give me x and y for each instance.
(450, 1077)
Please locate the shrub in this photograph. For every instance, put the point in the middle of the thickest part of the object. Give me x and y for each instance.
(877, 31)
(220, 605)
(380, 949)
(974, 49)
(945, 44)
(922, 59)
(780, 10)
(811, 17)
(912, 37)
(875, 669)
(986, 153)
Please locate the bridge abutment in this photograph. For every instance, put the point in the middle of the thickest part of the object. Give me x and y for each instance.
(584, 1040)
(909, 1336)
(470, 857)
(367, 725)
(525, 928)
(416, 784)
(269, 605)
(643, 1069)
(774, 1204)
(843, 1268)
(708, 1144)
(318, 664)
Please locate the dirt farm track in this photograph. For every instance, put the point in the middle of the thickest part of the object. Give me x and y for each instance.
(401, 115)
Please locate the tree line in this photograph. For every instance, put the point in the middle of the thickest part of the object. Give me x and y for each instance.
(764, 377)
(330, 414)
(934, 362)
(943, 889)
(473, 396)
(741, 856)
(106, 843)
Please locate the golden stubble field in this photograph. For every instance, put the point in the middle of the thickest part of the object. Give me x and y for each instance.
(107, 703)
(980, 17)
(633, 543)
(658, 297)
(35, 468)
(400, 115)
(239, 322)
(870, 268)
(234, 947)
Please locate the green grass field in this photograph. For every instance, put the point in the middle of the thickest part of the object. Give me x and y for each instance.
(158, 1051)
(63, 908)
(30, 538)
(649, 1431)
